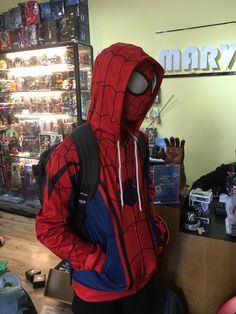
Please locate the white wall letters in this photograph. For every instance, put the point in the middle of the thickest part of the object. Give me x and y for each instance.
(206, 58)
(190, 58)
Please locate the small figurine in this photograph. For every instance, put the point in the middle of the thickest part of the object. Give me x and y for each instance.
(230, 205)
(230, 220)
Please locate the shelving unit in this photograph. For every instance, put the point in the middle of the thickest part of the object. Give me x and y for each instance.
(43, 94)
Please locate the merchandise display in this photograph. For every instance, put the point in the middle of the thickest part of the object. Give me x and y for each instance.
(196, 216)
(43, 93)
(33, 24)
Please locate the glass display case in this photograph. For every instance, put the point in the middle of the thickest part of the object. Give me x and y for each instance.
(43, 94)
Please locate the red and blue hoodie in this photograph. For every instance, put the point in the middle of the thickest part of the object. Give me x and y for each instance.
(123, 237)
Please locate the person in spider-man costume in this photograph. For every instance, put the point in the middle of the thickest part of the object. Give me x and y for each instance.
(123, 238)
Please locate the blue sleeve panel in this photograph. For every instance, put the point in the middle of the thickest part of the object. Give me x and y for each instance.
(98, 228)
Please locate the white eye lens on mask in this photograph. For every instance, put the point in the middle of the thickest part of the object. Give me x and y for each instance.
(138, 83)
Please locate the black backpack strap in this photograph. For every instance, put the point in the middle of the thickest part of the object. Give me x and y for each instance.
(144, 149)
(52, 182)
(87, 147)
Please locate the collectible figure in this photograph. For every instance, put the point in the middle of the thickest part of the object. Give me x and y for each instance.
(32, 13)
(15, 18)
(16, 171)
(50, 31)
(57, 9)
(24, 37)
(33, 35)
(29, 181)
(20, 83)
(5, 40)
(2, 23)
(45, 10)
(16, 38)
(230, 205)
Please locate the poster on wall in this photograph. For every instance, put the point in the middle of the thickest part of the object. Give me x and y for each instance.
(166, 182)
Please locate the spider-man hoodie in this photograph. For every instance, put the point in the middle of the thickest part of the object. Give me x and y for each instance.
(122, 237)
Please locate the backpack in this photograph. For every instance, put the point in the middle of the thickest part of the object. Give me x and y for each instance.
(171, 301)
(87, 148)
(89, 165)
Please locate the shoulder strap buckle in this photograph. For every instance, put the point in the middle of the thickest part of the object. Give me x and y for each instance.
(83, 198)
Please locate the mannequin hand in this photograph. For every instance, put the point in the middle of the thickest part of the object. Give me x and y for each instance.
(175, 151)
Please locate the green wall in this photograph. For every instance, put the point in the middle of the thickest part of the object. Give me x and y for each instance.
(204, 112)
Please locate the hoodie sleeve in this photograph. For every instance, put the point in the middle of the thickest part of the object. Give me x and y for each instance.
(213, 179)
(162, 228)
(52, 221)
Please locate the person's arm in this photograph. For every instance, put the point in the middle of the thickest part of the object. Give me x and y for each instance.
(52, 221)
(162, 229)
(213, 179)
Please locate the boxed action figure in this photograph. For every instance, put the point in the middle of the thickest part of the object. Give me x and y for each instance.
(15, 18)
(21, 5)
(2, 23)
(32, 12)
(57, 9)
(75, 24)
(51, 32)
(47, 139)
(45, 10)
(69, 3)
(5, 40)
(16, 38)
(33, 35)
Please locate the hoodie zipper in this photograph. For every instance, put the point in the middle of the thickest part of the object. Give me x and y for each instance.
(120, 237)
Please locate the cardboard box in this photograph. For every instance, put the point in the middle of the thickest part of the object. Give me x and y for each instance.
(39, 281)
(58, 286)
(29, 274)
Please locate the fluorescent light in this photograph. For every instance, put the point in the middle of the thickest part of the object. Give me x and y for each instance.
(36, 94)
(40, 70)
(41, 116)
(49, 52)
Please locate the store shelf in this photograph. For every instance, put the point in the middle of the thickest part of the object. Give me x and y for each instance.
(27, 156)
(37, 92)
(43, 93)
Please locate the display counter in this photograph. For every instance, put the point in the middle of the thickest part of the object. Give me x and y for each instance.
(203, 267)
(215, 229)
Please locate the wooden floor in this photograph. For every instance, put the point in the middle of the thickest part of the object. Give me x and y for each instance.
(24, 251)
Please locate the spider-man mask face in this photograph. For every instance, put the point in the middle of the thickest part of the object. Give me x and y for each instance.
(139, 92)
(124, 85)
